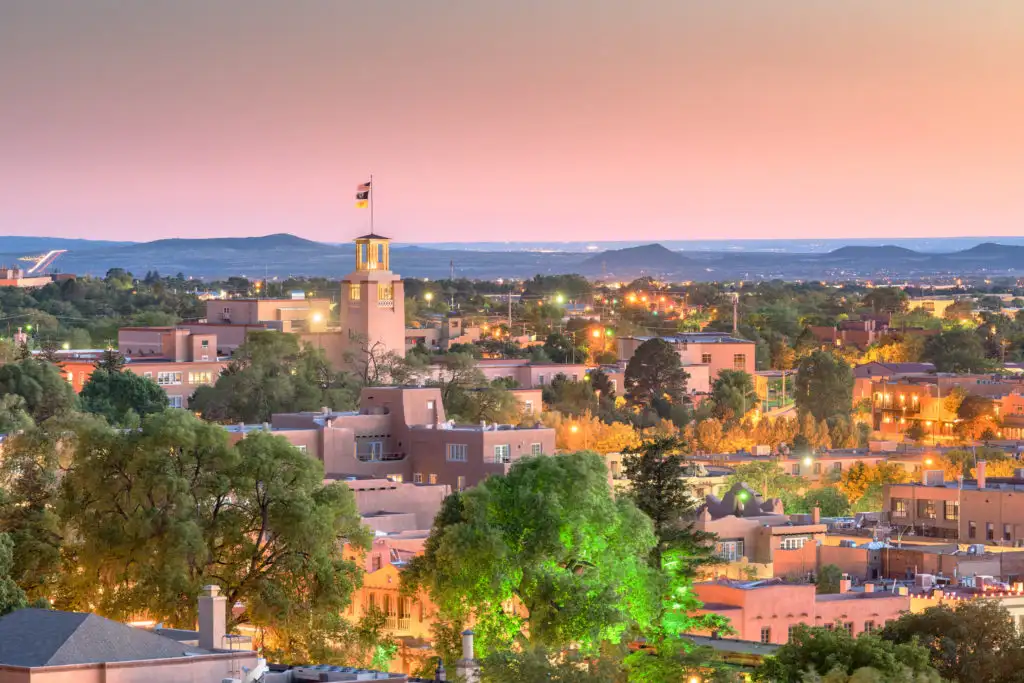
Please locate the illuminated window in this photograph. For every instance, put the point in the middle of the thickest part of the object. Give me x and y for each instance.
(417, 477)
(385, 292)
(200, 378)
(460, 484)
(739, 361)
(952, 512)
(502, 453)
(899, 507)
(794, 542)
(432, 478)
(168, 378)
(354, 292)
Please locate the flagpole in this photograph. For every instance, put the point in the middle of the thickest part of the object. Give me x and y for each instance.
(371, 204)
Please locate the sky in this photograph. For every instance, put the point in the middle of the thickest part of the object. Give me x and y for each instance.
(512, 119)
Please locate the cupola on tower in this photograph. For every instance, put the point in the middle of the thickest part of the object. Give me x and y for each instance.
(373, 300)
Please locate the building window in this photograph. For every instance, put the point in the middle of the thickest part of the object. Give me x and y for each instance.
(397, 478)
(817, 468)
(430, 405)
(528, 407)
(1007, 532)
(869, 626)
(460, 483)
(175, 401)
(926, 509)
(165, 379)
(796, 470)
(375, 564)
(302, 448)
(385, 292)
(972, 530)
(766, 634)
(731, 551)
(739, 361)
(457, 452)
(830, 627)
(990, 531)
(952, 511)
(432, 478)
(899, 507)
(837, 467)
(790, 631)
(849, 627)
(540, 379)
(148, 375)
(417, 477)
(794, 542)
(705, 358)
(200, 378)
(615, 384)
(502, 453)
(536, 449)
(354, 292)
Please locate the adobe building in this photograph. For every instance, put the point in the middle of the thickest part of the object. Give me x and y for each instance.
(767, 610)
(981, 510)
(402, 434)
(716, 350)
(372, 302)
(749, 529)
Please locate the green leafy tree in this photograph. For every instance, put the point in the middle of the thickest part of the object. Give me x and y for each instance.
(121, 397)
(732, 395)
(831, 502)
(886, 300)
(771, 481)
(820, 651)
(570, 397)
(538, 664)
(14, 414)
(111, 361)
(972, 640)
(829, 578)
(273, 373)
(653, 372)
(545, 553)
(956, 350)
(824, 386)
(602, 384)
(11, 595)
(41, 385)
(254, 518)
(456, 376)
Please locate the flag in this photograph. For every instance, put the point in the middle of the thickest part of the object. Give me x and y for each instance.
(363, 195)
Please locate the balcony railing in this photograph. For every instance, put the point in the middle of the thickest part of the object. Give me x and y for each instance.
(379, 457)
(396, 623)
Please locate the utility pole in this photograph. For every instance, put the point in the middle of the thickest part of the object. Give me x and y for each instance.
(735, 313)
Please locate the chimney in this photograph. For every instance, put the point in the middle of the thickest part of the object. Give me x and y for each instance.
(439, 673)
(816, 515)
(467, 669)
(869, 588)
(213, 613)
(845, 584)
(981, 474)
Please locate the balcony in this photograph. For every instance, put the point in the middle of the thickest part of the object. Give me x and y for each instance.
(379, 457)
(385, 303)
(396, 623)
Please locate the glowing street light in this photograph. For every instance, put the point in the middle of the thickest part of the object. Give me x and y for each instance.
(808, 461)
(574, 428)
(559, 299)
(929, 461)
(66, 346)
(317, 317)
(428, 297)
(596, 334)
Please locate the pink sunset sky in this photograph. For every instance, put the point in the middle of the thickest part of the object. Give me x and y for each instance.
(512, 119)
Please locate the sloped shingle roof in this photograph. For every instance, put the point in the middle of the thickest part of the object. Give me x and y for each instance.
(38, 637)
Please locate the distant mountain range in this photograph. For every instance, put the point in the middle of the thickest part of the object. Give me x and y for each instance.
(284, 255)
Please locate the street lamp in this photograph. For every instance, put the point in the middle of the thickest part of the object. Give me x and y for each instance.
(66, 346)
(317, 317)
(428, 297)
(559, 299)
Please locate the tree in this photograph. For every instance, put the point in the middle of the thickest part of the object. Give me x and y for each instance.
(11, 595)
(657, 488)
(49, 352)
(121, 397)
(44, 389)
(14, 415)
(816, 650)
(654, 371)
(770, 480)
(828, 500)
(956, 350)
(538, 664)
(587, 432)
(111, 361)
(568, 396)
(861, 480)
(548, 536)
(733, 395)
(602, 384)
(708, 434)
(824, 386)
(972, 640)
(562, 349)
(254, 518)
(829, 578)
(886, 300)
(457, 373)
(273, 373)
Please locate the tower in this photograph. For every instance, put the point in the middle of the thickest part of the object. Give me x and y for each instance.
(372, 302)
